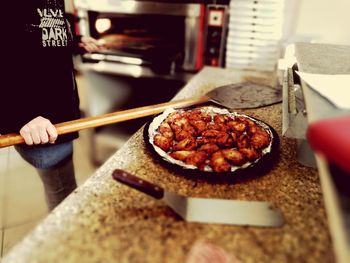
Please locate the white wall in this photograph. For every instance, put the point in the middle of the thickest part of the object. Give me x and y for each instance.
(325, 21)
(69, 5)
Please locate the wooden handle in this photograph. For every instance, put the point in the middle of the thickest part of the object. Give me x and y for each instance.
(138, 183)
(105, 119)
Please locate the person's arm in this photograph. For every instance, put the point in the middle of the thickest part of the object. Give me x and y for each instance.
(89, 44)
(82, 43)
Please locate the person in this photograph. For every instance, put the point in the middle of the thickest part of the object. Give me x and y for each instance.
(39, 89)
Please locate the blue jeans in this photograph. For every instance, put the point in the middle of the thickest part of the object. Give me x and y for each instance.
(54, 164)
(45, 156)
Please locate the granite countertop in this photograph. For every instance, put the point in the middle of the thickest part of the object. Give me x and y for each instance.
(104, 221)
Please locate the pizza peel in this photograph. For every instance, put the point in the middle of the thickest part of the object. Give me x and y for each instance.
(235, 96)
(208, 210)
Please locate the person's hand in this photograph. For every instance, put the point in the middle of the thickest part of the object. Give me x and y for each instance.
(204, 252)
(90, 44)
(39, 131)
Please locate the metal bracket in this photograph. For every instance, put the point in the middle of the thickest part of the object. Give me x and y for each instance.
(294, 112)
(294, 124)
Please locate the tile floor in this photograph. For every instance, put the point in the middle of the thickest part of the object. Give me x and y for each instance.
(22, 203)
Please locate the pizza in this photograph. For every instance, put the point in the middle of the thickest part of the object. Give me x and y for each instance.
(209, 139)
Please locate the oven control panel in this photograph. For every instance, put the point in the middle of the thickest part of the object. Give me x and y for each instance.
(215, 34)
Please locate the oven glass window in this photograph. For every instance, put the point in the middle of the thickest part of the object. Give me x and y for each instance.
(146, 36)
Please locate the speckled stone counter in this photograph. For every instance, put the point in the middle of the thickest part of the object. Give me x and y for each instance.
(104, 221)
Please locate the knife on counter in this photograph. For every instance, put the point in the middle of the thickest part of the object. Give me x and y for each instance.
(208, 210)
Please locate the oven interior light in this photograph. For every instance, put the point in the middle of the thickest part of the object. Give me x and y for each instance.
(103, 24)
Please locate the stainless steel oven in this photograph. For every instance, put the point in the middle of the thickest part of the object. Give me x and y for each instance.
(142, 37)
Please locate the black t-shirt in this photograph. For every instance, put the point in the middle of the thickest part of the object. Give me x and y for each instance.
(38, 78)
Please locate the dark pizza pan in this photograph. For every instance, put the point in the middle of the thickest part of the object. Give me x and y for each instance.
(256, 169)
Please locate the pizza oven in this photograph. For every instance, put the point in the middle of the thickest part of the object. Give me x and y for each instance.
(156, 37)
